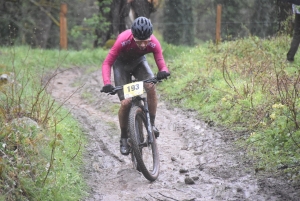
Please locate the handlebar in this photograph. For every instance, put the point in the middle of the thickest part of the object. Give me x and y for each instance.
(153, 80)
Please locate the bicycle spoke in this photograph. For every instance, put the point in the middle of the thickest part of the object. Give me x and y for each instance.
(146, 154)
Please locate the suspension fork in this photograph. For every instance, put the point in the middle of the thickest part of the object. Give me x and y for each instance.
(146, 111)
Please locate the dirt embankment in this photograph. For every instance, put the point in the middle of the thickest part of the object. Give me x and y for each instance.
(186, 145)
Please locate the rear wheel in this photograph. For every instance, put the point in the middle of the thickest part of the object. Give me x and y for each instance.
(145, 154)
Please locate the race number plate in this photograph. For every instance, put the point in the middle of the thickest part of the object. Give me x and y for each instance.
(133, 89)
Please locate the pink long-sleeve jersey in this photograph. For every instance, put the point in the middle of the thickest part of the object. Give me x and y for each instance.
(126, 49)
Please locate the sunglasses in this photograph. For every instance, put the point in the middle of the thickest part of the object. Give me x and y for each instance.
(141, 42)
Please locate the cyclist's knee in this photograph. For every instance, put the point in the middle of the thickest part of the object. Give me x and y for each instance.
(126, 103)
(152, 99)
(149, 86)
(150, 89)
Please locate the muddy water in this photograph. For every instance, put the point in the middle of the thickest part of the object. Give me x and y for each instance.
(188, 148)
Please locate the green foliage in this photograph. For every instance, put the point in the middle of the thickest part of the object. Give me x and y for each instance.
(178, 19)
(244, 84)
(86, 31)
(105, 8)
(109, 43)
(36, 23)
(239, 19)
(40, 145)
(264, 22)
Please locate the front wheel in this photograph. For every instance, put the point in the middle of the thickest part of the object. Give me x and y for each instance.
(145, 154)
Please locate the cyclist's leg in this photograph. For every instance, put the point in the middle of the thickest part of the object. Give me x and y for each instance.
(142, 72)
(122, 77)
(296, 39)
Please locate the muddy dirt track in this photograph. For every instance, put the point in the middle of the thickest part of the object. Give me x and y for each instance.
(187, 146)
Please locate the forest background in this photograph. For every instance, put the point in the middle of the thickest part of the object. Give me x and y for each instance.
(92, 23)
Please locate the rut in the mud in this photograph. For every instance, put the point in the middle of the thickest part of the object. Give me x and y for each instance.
(187, 146)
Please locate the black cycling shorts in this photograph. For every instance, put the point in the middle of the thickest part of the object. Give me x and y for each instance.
(123, 71)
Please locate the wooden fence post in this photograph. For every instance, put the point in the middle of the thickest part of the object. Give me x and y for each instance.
(63, 26)
(218, 23)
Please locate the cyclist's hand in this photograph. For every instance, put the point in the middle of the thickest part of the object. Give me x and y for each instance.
(107, 88)
(162, 75)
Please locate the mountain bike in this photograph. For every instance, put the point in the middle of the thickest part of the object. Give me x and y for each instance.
(141, 139)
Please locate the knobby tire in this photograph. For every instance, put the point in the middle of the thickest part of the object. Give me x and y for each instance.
(137, 130)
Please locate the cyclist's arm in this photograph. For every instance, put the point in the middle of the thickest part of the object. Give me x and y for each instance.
(107, 64)
(112, 56)
(158, 56)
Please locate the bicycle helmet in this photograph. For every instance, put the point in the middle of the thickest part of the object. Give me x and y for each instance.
(141, 28)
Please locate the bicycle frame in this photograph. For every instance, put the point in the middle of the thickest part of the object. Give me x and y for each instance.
(139, 121)
(135, 101)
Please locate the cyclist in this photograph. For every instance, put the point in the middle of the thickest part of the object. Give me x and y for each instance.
(296, 35)
(127, 59)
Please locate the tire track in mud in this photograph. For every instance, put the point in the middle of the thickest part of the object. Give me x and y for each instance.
(186, 145)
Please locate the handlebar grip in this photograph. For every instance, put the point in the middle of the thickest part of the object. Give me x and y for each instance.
(113, 93)
(111, 90)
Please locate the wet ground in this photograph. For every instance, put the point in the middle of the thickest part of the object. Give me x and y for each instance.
(187, 146)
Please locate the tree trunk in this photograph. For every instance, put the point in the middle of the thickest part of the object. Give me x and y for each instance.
(142, 8)
(43, 25)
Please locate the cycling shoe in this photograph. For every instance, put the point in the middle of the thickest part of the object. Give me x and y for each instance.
(156, 131)
(124, 147)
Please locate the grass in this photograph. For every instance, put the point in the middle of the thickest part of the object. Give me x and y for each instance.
(245, 85)
(41, 160)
